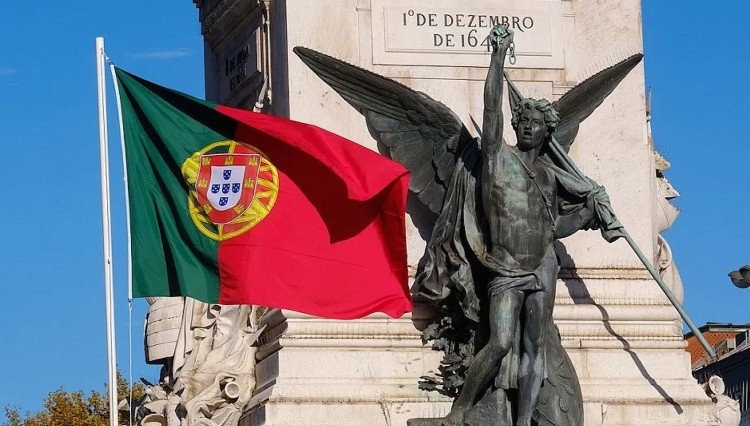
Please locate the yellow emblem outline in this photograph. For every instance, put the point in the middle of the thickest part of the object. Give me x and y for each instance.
(267, 192)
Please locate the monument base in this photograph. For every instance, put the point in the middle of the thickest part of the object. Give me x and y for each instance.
(313, 371)
(317, 372)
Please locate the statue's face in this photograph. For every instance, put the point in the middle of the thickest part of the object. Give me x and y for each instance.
(531, 131)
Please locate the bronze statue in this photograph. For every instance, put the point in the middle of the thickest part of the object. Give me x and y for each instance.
(518, 215)
(495, 210)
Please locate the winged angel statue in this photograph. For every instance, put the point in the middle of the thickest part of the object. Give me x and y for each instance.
(490, 267)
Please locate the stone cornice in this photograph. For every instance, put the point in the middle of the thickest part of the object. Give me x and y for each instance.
(219, 18)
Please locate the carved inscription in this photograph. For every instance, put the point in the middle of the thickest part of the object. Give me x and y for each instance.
(235, 67)
(443, 32)
(451, 27)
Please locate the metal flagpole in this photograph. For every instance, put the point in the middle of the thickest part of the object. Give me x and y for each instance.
(118, 101)
(107, 232)
(564, 156)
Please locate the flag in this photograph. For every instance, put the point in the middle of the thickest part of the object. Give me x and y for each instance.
(234, 207)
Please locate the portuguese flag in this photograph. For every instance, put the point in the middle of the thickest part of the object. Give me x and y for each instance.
(234, 207)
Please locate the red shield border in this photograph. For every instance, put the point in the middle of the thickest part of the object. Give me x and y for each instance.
(251, 163)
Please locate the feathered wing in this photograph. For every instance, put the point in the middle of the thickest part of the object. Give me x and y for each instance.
(580, 101)
(560, 399)
(417, 131)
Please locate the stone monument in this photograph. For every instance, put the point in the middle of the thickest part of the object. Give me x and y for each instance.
(623, 337)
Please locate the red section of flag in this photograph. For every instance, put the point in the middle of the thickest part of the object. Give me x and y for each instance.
(334, 244)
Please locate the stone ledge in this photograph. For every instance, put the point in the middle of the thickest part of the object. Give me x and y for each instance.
(397, 413)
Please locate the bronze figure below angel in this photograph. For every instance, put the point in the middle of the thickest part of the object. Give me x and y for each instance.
(490, 267)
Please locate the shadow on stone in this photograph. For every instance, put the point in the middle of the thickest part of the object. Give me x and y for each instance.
(492, 409)
(580, 295)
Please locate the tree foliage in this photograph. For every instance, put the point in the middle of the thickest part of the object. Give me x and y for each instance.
(63, 408)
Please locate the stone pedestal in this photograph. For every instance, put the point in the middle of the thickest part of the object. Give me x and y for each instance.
(620, 331)
(313, 371)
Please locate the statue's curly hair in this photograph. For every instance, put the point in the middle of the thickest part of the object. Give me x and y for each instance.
(551, 116)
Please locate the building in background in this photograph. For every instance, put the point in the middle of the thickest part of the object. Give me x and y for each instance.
(732, 364)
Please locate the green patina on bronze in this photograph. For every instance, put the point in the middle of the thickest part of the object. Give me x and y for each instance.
(491, 213)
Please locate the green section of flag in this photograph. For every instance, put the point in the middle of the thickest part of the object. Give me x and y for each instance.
(163, 128)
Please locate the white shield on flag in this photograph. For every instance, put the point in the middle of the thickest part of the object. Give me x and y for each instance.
(225, 186)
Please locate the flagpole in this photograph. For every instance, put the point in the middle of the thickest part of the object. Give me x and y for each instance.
(107, 232)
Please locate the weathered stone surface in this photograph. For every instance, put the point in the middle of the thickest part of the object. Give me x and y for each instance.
(208, 377)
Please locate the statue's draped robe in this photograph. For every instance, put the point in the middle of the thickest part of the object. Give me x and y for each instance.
(459, 244)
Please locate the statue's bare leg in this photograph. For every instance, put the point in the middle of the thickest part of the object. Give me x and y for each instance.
(531, 371)
(505, 309)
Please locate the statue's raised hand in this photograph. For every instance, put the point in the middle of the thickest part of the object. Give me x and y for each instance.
(501, 37)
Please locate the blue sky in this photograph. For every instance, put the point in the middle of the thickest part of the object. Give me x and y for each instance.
(53, 301)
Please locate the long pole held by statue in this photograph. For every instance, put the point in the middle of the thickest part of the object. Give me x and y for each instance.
(107, 232)
(571, 165)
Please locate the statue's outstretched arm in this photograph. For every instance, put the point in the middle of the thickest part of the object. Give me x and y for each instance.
(572, 223)
(492, 127)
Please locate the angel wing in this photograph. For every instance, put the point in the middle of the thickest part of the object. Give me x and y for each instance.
(580, 101)
(560, 399)
(426, 136)
(412, 128)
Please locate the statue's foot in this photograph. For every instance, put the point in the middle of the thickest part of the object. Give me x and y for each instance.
(457, 417)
